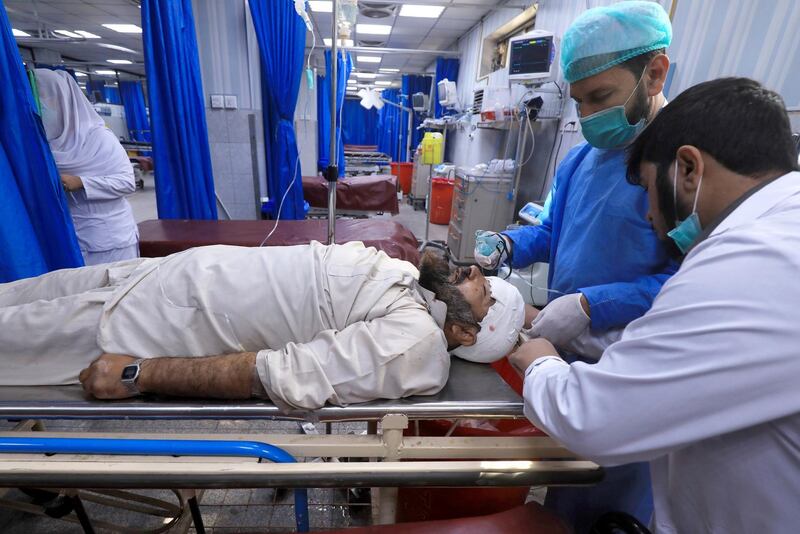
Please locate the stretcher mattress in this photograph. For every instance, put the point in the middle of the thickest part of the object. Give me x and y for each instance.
(163, 237)
(355, 193)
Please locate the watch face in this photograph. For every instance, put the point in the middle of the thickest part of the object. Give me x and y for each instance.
(129, 373)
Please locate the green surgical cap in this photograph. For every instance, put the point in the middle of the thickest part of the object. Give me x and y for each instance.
(606, 36)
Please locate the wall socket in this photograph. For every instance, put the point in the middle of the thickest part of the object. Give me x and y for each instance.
(217, 101)
(231, 102)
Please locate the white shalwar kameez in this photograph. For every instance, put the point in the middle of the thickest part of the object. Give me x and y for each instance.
(338, 324)
(706, 386)
(82, 146)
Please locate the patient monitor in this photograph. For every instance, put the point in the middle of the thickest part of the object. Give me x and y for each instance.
(532, 57)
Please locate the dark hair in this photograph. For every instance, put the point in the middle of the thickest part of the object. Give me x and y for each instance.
(434, 275)
(737, 121)
(637, 64)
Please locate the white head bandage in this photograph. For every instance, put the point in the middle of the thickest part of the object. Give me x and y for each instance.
(501, 326)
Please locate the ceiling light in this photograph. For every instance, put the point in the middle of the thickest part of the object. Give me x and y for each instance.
(321, 6)
(123, 28)
(116, 47)
(374, 29)
(383, 82)
(369, 59)
(388, 70)
(120, 62)
(428, 12)
(102, 72)
(345, 43)
(351, 82)
(19, 33)
(87, 35)
(80, 74)
(67, 33)
(366, 75)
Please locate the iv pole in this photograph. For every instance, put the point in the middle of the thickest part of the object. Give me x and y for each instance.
(332, 171)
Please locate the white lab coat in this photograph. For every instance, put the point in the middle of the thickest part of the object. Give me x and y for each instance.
(337, 324)
(705, 385)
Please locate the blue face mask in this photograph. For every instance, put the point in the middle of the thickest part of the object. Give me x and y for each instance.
(685, 232)
(610, 128)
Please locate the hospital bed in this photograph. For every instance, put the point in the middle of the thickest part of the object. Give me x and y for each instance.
(163, 237)
(365, 159)
(357, 196)
(473, 391)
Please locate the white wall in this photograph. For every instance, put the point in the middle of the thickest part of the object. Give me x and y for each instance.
(229, 64)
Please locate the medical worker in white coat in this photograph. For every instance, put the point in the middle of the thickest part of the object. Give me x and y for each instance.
(705, 385)
(95, 170)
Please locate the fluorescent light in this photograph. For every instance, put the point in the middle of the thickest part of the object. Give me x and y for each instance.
(116, 47)
(87, 35)
(102, 72)
(383, 82)
(428, 12)
(120, 62)
(67, 33)
(123, 28)
(80, 74)
(369, 59)
(19, 33)
(351, 82)
(345, 43)
(374, 29)
(388, 70)
(321, 6)
(366, 75)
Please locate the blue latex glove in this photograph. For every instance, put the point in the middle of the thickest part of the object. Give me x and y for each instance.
(491, 249)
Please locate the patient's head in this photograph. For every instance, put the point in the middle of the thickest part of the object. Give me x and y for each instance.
(484, 315)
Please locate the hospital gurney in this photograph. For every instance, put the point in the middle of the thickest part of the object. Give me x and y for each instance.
(163, 237)
(473, 391)
(355, 195)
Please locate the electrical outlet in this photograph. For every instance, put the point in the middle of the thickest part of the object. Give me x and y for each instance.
(217, 102)
(231, 102)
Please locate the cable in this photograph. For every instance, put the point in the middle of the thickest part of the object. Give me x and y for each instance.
(533, 138)
(297, 160)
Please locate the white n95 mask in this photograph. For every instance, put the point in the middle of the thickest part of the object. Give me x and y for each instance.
(501, 326)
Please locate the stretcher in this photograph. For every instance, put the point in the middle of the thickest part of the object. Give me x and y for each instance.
(473, 391)
(357, 196)
(163, 237)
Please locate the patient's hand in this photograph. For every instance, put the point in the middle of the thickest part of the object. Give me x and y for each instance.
(529, 352)
(102, 379)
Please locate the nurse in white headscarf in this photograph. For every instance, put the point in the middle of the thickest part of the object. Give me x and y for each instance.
(95, 170)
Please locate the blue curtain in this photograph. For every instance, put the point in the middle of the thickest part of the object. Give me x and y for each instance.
(390, 127)
(413, 83)
(281, 36)
(445, 68)
(36, 232)
(135, 111)
(323, 123)
(359, 125)
(344, 67)
(110, 94)
(181, 154)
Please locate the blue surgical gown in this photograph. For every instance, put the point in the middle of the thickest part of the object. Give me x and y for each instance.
(597, 240)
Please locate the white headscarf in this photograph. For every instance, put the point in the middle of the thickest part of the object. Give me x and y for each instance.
(79, 140)
(501, 326)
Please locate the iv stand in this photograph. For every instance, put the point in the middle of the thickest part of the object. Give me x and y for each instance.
(332, 170)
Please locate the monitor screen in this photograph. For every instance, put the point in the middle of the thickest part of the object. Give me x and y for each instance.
(530, 56)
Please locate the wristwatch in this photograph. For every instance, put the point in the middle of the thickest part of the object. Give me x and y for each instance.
(130, 374)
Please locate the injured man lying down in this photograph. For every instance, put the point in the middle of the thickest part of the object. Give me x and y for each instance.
(301, 325)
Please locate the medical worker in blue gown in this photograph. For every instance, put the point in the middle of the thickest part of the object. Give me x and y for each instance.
(606, 262)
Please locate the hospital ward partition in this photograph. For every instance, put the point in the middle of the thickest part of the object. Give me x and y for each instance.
(397, 460)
